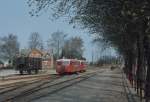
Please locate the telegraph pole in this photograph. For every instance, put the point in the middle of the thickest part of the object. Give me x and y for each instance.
(58, 50)
(52, 59)
(92, 56)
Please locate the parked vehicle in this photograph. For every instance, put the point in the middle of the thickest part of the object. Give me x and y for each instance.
(69, 66)
(28, 64)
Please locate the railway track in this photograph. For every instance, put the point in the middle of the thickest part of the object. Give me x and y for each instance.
(18, 77)
(47, 88)
(23, 82)
(20, 85)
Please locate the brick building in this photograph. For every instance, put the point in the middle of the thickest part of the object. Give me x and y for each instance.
(35, 53)
(46, 58)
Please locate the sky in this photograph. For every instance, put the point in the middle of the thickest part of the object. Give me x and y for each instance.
(14, 18)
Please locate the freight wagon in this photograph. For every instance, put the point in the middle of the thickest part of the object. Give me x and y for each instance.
(28, 64)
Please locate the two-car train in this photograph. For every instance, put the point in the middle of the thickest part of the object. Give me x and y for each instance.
(70, 66)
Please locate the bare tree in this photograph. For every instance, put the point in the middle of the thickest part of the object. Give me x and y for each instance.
(56, 42)
(35, 41)
(9, 47)
(73, 48)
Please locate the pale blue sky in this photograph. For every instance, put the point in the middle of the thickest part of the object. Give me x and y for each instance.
(14, 18)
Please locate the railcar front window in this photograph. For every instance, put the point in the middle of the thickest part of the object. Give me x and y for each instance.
(66, 63)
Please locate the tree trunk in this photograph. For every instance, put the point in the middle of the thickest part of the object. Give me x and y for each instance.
(140, 65)
(147, 55)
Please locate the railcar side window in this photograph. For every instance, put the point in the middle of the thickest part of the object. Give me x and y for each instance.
(65, 62)
(77, 63)
(59, 63)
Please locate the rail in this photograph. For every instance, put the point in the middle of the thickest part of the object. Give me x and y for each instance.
(53, 87)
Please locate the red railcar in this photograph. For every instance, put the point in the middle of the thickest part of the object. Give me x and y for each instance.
(69, 66)
(83, 65)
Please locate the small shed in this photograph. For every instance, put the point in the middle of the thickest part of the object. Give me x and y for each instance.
(46, 57)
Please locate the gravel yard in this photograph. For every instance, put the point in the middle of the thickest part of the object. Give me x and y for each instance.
(7, 72)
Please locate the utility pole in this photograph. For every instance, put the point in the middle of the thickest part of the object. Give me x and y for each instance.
(92, 56)
(58, 50)
(52, 59)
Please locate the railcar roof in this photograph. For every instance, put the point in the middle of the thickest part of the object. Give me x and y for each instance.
(66, 59)
(82, 60)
